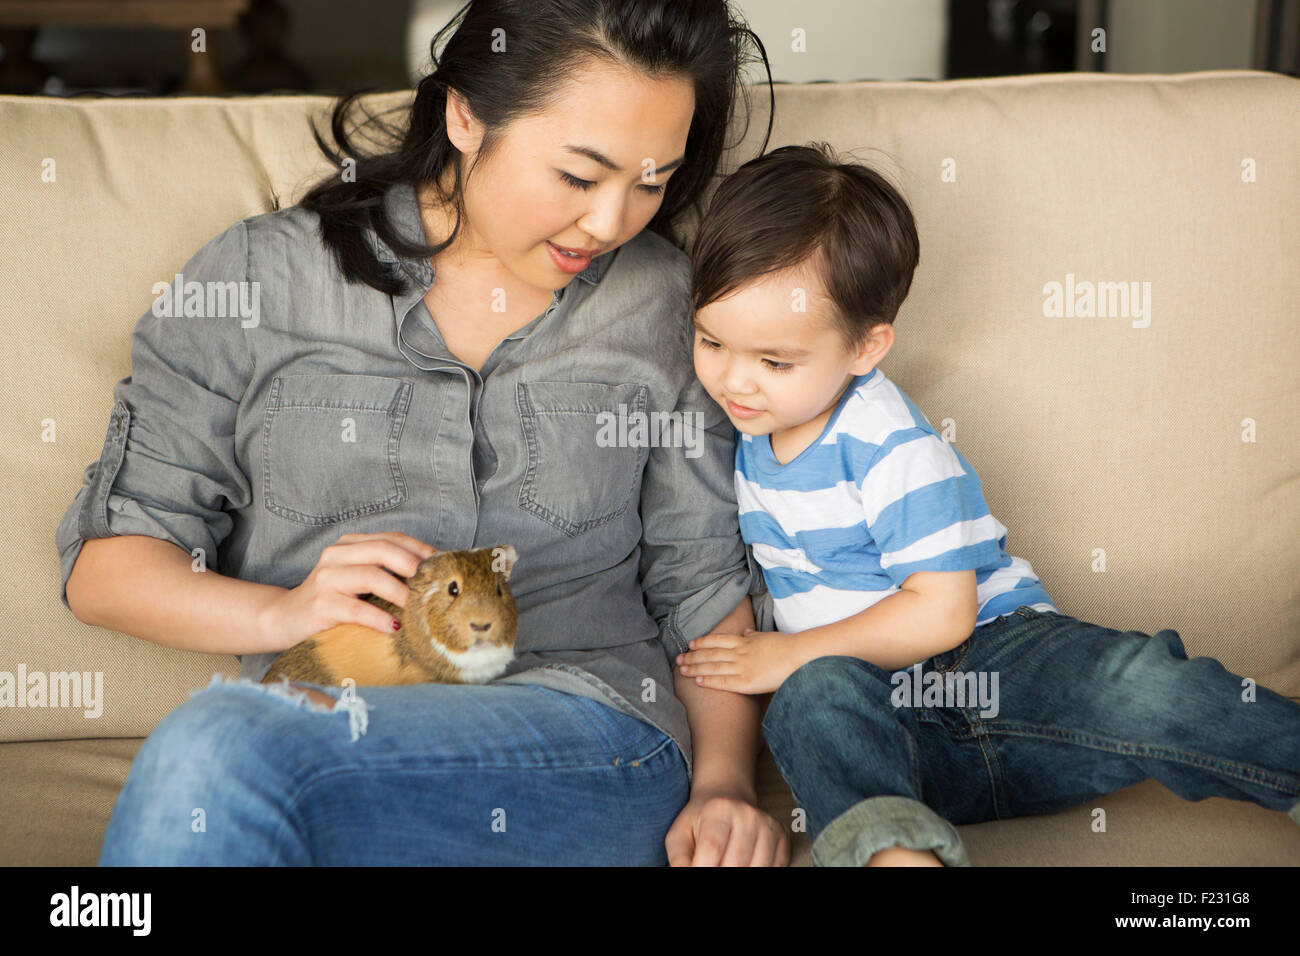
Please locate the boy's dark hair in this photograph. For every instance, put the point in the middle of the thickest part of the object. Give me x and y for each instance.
(545, 40)
(800, 203)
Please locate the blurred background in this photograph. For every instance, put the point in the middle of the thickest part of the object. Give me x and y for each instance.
(187, 47)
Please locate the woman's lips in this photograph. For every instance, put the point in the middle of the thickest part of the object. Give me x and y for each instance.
(567, 264)
(740, 411)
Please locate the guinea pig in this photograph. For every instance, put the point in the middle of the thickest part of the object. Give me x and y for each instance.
(458, 627)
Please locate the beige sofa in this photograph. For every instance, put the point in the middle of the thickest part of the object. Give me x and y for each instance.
(1146, 463)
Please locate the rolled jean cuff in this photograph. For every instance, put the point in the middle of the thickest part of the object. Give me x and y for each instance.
(879, 822)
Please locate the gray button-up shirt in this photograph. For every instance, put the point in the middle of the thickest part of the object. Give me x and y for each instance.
(264, 419)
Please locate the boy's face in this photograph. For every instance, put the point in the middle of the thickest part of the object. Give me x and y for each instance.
(771, 366)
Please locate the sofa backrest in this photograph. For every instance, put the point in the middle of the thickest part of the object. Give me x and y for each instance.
(1142, 452)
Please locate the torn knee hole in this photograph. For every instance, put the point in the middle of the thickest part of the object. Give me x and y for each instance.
(318, 696)
(309, 698)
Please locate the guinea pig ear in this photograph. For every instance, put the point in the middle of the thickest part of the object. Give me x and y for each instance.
(503, 559)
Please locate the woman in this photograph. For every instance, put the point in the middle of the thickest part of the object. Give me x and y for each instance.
(429, 368)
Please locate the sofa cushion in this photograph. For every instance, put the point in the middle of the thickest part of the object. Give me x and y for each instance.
(1146, 465)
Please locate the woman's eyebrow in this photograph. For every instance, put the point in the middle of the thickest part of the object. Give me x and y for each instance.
(610, 164)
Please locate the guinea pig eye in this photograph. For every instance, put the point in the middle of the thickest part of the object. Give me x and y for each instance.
(498, 589)
(453, 589)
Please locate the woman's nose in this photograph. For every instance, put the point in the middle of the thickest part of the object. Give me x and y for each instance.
(604, 222)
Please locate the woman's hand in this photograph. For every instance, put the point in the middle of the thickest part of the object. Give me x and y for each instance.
(755, 662)
(724, 828)
(355, 564)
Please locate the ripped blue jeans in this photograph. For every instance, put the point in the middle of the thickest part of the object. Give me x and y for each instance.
(1053, 712)
(428, 774)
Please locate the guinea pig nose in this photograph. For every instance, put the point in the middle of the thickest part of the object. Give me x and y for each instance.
(475, 626)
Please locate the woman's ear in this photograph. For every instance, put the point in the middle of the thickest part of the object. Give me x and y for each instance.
(463, 129)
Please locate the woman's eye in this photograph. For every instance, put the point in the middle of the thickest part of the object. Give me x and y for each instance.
(709, 345)
(575, 182)
(453, 589)
(585, 184)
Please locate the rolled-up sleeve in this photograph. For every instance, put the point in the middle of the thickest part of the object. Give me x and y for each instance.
(167, 468)
(694, 565)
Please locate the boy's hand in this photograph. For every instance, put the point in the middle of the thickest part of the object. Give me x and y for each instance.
(751, 663)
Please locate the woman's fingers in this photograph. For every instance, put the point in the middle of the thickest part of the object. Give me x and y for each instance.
(376, 550)
(401, 538)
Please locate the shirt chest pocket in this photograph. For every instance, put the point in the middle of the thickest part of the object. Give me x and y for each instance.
(330, 446)
(582, 470)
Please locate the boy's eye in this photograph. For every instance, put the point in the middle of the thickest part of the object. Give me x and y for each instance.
(585, 184)
(774, 366)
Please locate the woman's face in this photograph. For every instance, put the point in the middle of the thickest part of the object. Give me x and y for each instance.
(518, 200)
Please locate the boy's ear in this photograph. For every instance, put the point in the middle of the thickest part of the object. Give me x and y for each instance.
(876, 346)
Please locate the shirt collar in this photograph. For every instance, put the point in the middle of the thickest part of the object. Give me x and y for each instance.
(403, 211)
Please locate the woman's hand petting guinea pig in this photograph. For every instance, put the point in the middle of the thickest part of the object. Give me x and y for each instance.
(458, 627)
(355, 564)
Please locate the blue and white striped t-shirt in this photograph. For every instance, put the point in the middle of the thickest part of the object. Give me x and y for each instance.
(878, 496)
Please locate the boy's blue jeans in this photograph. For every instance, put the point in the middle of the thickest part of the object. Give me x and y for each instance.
(1082, 711)
(504, 774)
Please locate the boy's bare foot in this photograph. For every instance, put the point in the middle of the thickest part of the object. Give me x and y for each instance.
(900, 856)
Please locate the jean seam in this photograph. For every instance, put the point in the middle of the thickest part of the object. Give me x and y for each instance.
(913, 759)
(997, 782)
(1242, 772)
(964, 650)
(776, 759)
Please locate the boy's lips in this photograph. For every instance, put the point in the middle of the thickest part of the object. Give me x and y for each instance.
(742, 411)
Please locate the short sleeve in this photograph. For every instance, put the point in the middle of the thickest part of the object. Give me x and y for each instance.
(924, 508)
(167, 468)
(694, 566)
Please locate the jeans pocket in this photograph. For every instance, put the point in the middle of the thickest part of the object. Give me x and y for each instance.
(582, 468)
(331, 446)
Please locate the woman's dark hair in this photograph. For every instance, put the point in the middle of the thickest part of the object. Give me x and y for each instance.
(544, 40)
(797, 204)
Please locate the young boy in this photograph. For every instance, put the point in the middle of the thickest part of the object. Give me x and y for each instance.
(884, 562)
